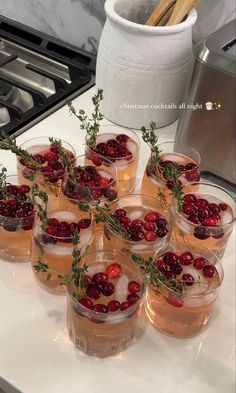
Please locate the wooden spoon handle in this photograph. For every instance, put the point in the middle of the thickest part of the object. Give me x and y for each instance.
(165, 18)
(159, 11)
(181, 9)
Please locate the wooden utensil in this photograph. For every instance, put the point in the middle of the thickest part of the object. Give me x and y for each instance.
(159, 12)
(182, 8)
(165, 18)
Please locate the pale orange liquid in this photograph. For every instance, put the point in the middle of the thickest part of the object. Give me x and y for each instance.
(157, 188)
(15, 246)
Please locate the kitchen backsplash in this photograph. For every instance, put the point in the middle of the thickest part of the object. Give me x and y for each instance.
(80, 22)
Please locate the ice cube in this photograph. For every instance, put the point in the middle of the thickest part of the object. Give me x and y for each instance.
(121, 288)
(226, 216)
(105, 174)
(157, 183)
(96, 268)
(131, 146)
(38, 148)
(65, 215)
(58, 251)
(121, 165)
(174, 157)
(135, 215)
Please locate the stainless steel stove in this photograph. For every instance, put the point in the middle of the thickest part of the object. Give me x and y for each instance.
(38, 74)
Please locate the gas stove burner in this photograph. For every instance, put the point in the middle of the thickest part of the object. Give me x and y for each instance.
(38, 74)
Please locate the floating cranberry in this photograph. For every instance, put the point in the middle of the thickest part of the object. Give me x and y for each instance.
(47, 169)
(223, 206)
(84, 223)
(170, 258)
(204, 212)
(24, 188)
(87, 279)
(64, 236)
(125, 221)
(102, 148)
(189, 208)
(86, 302)
(113, 143)
(150, 226)
(55, 149)
(134, 287)
(214, 208)
(201, 203)
(208, 271)
(177, 268)
(102, 308)
(51, 230)
(108, 288)
(74, 227)
(150, 236)
(161, 223)
(53, 221)
(216, 216)
(114, 270)
(111, 151)
(186, 258)
(39, 158)
(170, 275)
(175, 300)
(28, 207)
(190, 166)
(125, 306)
(100, 278)
(137, 224)
(194, 218)
(137, 236)
(56, 165)
(96, 194)
(94, 291)
(122, 138)
(63, 226)
(161, 266)
(152, 216)
(192, 175)
(188, 279)
(162, 232)
(210, 222)
(111, 195)
(9, 228)
(113, 305)
(13, 190)
(201, 233)
(119, 213)
(51, 156)
(199, 263)
(189, 198)
(132, 298)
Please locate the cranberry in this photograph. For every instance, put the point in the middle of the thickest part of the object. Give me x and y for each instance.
(199, 263)
(194, 218)
(55, 149)
(201, 203)
(214, 208)
(11, 189)
(150, 236)
(87, 279)
(113, 143)
(39, 158)
(186, 258)
(96, 194)
(188, 279)
(86, 302)
(56, 165)
(53, 221)
(190, 166)
(201, 233)
(94, 291)
(161, 223)
(64, 236)
(162, 232)
(132, 298)
(111, 151)
(119, 213)
(28, 207)
(208, 271)
(73, 227)
(100, 278)
(125, 221)
(137, 225)
(223, 206)
(177, 268)
(51, 156)
(63, 226)
(203, 212)
(51, 230)
(101, 308)
(102, 148)
(210, 222)
(21, 214)
(161, 266)
(171, 183)
(114, 270)
(84, 223)
(152, 216)
(175, 300)
(122, 138)
(47, 169)
(111, 195)
(134, 287)
(24, 188)
(192, 175)
(49, 239)
(170, 275)
(113, 305)
(170, 258)
(108, 288)
(9, 228)
(150, 226)
(137, 236)
(189, 208)
(190, 198)
(125, 305)
(216, 216)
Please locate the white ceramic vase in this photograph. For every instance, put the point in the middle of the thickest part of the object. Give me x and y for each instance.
(142, 70)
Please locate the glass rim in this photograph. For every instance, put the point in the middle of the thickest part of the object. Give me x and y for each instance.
(203, 226)
(219, 270)
(115, 313)
(184, 146)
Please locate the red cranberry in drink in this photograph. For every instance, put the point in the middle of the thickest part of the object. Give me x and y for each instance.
(125, 221)
(201, 233)
(63, 226)
(137, 224)
(55, 149)
(111, 152)
(177, 268)
(96, 194)
(188, 279)
(111, 195)
(214, 208)
(51, 156)
(208, 271)
(51, 230)
(161, 266)
(189, 198)
(86, 302)
(170, 258)
(192, 175)
(64, 236)
(218, 233)
(189, 208)
(150, 236)
(101, 308)
(28, 207)
(84, 223)
(161, 223)
(133, 287)
(137, 236)
(162, 232)
(150, 226)
(122, 138)
(113, 305)
(12, 190)
(114, 270)
(186, 258)
(199, 263)
(94, 291)
(108, 288)
(132, 298)
(203, 212)
(201, 202)
(100, 278)
(210, 222)
(39, 158)
(125, 306)
(223, 206)
(170, 275)
(24, 188)
(87, 279)
(194, 218)
(53, 221)
(175, 300)
(74, 227)
(152, 216)
(113, 143)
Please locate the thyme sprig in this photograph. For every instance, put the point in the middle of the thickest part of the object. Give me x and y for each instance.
(91, 125)
(76, 279)
(64, 159)
(3, 183)
(40, 201)
(172, 174)
(151, 138)
(9, 143)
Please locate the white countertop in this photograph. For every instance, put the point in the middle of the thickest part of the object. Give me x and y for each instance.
(37, 356)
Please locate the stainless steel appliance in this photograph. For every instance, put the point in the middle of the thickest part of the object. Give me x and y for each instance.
(210, 127)
(37, 75)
